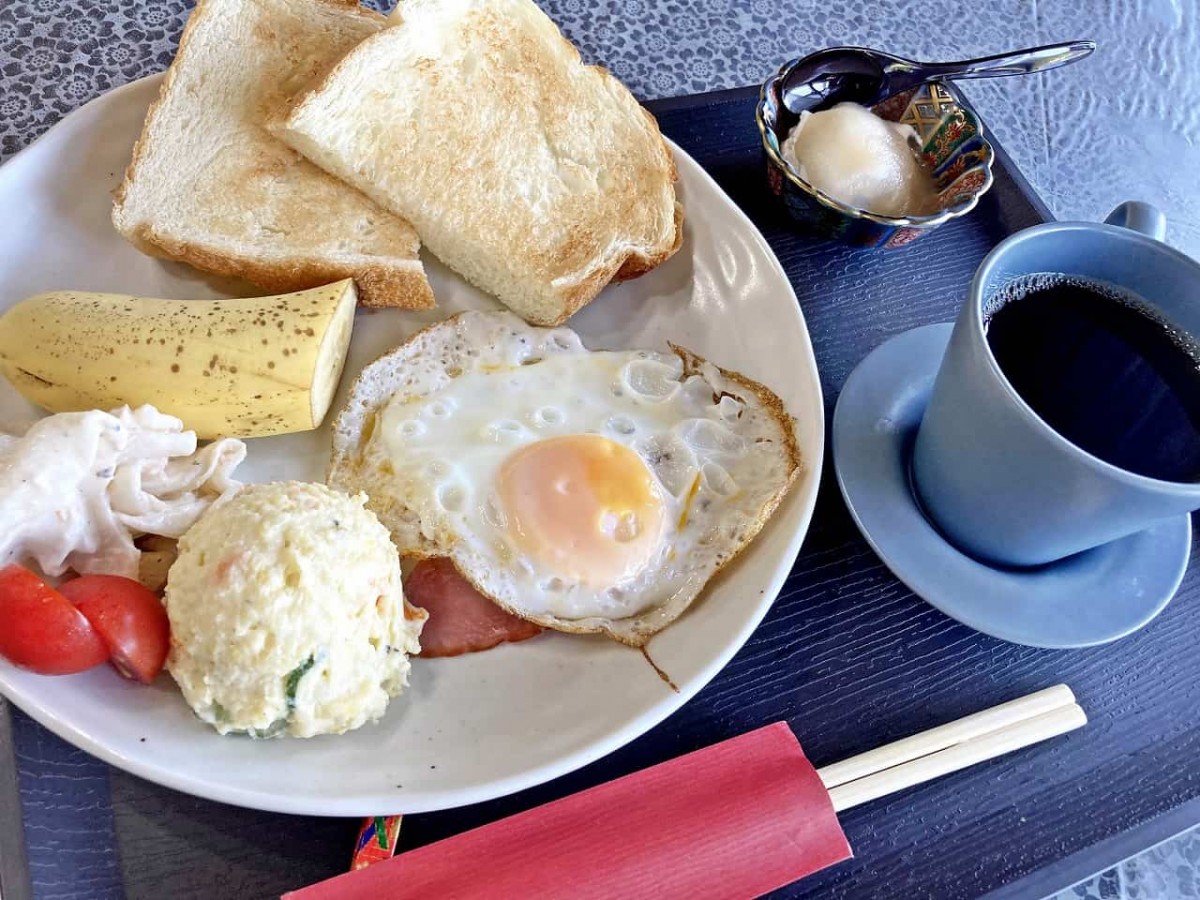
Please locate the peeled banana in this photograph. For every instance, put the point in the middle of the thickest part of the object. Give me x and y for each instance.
(236, 368)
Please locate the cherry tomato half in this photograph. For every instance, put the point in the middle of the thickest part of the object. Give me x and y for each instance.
(130, 619)
(41, 631)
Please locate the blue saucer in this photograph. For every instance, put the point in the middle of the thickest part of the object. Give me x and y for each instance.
(1090, 598)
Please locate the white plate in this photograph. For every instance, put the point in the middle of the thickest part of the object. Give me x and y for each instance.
(474, 727)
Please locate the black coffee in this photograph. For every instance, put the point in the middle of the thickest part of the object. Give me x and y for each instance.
(1104, 370)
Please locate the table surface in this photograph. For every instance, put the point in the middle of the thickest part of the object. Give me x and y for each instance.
(992, 826)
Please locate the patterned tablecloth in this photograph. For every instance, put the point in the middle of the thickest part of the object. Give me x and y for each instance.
(1125, 124)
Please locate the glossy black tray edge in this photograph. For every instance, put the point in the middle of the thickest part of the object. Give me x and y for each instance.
(14, 872)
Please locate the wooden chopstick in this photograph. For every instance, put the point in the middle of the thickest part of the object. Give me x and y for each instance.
(982, 743)
(967, 728)
(968, 753)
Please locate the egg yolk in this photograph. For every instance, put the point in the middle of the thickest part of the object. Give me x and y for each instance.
(583, 506)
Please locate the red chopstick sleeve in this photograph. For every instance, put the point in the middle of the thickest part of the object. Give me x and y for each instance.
(734, 820)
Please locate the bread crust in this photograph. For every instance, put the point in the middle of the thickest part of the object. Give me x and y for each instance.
(379, 285)
(636, 266)
(633, 265)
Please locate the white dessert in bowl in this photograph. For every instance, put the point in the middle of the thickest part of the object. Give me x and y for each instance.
(852, 155)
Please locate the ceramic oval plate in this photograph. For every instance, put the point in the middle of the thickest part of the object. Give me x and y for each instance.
(473, 727)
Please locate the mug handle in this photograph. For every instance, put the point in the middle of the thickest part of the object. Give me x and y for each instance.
(1140, 217)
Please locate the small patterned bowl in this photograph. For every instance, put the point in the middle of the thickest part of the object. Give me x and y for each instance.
(953, 148)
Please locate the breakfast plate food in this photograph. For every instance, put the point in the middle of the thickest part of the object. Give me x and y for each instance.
(475, 726)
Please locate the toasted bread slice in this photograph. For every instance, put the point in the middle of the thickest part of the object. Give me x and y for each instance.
(210, 186)
(534, 176)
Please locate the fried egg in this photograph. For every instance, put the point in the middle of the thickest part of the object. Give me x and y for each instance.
(584, 490)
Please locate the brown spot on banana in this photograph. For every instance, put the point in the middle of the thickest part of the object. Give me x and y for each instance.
(39, 379)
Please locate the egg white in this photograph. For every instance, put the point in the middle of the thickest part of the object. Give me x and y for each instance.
(429, 426)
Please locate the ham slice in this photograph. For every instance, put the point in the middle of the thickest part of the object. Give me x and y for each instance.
(461, 620)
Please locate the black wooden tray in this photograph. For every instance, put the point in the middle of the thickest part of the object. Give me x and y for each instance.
(847, 655)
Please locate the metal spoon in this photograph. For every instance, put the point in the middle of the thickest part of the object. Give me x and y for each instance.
(867, 77)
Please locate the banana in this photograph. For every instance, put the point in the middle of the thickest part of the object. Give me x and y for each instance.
(237, 368)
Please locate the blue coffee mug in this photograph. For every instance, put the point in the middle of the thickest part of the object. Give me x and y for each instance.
(996, 479)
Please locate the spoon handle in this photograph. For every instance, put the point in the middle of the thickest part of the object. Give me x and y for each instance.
(1022, 62)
